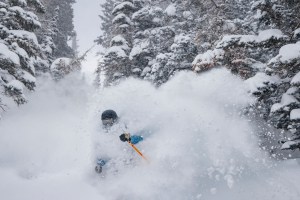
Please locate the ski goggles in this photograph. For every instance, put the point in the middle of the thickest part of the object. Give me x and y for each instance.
(107, 122)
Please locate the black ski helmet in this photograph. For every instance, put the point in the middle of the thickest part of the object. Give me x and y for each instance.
(109, 115)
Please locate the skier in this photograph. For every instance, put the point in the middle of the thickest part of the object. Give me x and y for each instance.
(109, 120)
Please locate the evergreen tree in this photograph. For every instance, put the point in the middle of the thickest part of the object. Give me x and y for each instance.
(106, 23)
(45, 36)
(153, 40)
(19, 47)
(61, 12)
(116, 63)
(257, 53)
(30, 40)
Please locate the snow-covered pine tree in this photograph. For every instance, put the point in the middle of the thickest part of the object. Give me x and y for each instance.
(104, 39)
(115, 63)
(45, 36)
(106, 23)
(248, 37)
(267, 29)
(19, 47)
(61, 12)
(258, 35)
(163, 40)
(218, 19)
(284, 100)
(148, 40)
(56, 35)
(154, 52)
(279, 101)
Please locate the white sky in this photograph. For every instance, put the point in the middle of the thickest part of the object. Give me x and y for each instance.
(87, 25)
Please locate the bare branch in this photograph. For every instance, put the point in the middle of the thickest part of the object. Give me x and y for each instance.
(214, 3)
(2, 107)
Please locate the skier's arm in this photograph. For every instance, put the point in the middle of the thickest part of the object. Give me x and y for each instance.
(134, 139)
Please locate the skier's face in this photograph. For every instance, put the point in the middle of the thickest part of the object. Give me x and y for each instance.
(107, 122)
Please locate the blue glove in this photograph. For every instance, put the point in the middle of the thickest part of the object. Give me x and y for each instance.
(136, 139)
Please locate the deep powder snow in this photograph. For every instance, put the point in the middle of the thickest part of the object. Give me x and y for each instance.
(198, 143)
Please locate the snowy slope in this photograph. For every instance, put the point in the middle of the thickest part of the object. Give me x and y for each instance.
(198, 145)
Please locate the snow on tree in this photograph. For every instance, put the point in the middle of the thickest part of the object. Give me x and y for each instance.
(61, 12)
(29, 32)
(280, 100)
(37, 5)
(150, 39)
(105, 38)
(115, 63)
(56, 31)
(287, 61)
(269, 46)
(208, 60)
(126, 7)
(160, 30)
(147, 17)
(122, 19)
(246, 54)
(106, 23)
(269, 14)
(46, 35)
(257, 40)
(264, 37)
(182, 53)
(287, 65)
(115, 60)
(63, 66)
(148, 29)
(19, 47)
